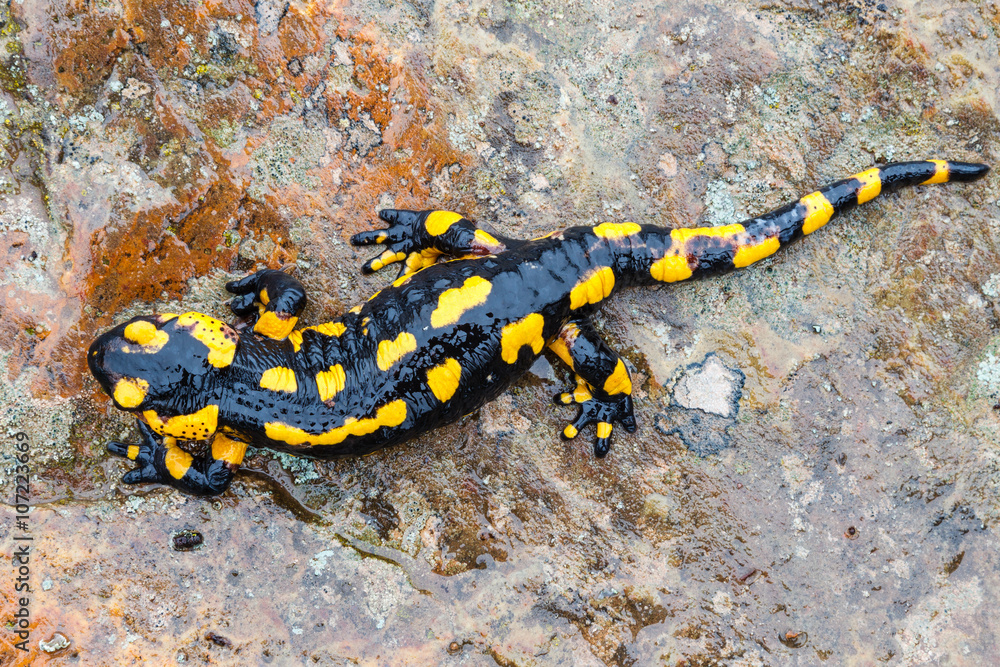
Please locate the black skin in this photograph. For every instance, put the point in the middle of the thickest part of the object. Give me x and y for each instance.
(469, 314)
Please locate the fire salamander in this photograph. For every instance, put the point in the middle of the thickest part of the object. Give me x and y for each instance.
(468, 314)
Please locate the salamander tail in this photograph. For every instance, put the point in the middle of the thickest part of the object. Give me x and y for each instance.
(671, 255)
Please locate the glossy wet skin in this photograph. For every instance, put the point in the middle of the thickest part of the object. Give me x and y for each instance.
(162, 362)
(385, 350)
(467, 316)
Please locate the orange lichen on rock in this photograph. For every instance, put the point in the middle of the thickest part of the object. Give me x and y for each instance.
(175, 178)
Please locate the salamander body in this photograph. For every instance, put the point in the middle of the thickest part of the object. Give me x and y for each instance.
(468, 314)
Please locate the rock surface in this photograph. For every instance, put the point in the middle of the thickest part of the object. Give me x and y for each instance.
(153, 150)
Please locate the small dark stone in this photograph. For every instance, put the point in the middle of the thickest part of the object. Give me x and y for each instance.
(793, 638)
(218, 640)
(953, 564)
(295, 67)
(186, 540)
(612, 100)
(842, 459)
(851, 533)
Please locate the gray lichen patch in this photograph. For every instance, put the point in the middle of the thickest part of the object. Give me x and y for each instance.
(47, 422)
(303, 470)
(719, 206)
(991, 287)
(704, 406)
(286, 156)
(711, 387)
(987, 380)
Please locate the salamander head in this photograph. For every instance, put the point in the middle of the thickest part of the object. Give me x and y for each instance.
(149, 360)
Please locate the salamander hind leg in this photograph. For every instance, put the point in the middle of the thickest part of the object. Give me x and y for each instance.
(420, 238)
(161, 460)
(604, 389)
(272, 299)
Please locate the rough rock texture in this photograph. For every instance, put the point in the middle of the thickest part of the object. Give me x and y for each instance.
(152, 149)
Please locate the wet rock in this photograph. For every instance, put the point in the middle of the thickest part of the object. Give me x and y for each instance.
(153, 152)
(269, 14)
(57, 642)
(704, 406)
(711, 387)
(659, 506)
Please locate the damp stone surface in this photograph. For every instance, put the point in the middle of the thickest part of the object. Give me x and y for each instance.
(849, 515)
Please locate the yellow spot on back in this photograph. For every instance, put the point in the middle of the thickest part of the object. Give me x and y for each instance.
(748, 254)
(670, 269)
(616, 230)
(940, 173)
(526, 331)
(195, 426)
(454, 302)
(130, 393)
(593, 288)
(391, 351)
(218, 336)
(228, 449)
(871, 185)
(444, 378)
(146, 334)
(330, 382)
(438, 222)
(279, 379)
(271, 324)
(177, 460)
(618, 382)
(390, 415)
(819, 210)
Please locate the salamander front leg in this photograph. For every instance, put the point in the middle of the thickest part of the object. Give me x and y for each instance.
(160, 460)
(604, 388)
(419, 238)
(273, 299)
